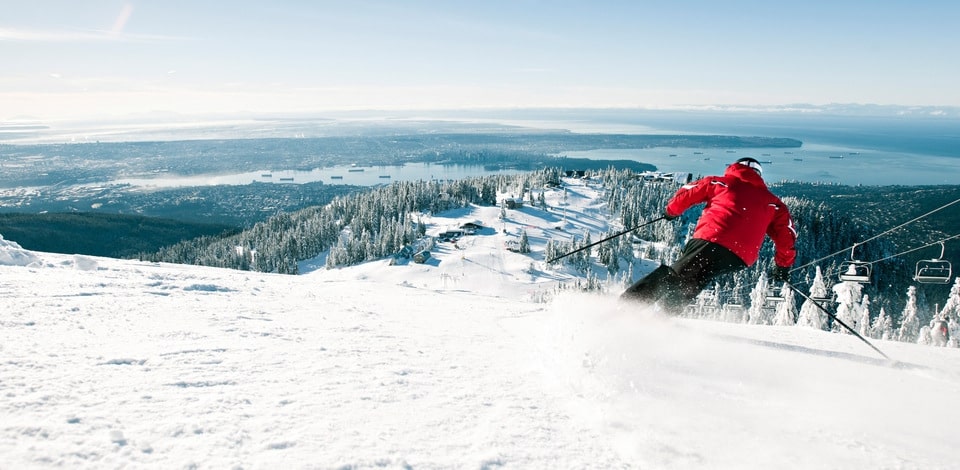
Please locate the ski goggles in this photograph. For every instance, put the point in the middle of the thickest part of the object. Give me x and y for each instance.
(752, 164)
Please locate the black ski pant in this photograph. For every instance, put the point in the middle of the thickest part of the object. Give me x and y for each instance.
(677, 285)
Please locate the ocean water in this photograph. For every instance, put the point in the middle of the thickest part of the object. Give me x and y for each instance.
(844, 149)
(853, 150)
(809, 163)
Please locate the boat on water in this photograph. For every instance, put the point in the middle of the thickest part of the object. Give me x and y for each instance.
(384, 176)
(336, 177)
(266, 175)
(286, 179)
(354, 170)
(836, 156)
(698, 153)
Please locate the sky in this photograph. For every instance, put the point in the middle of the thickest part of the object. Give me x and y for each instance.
(455, 363)
(64, 59)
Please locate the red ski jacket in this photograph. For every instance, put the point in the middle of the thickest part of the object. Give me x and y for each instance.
(740, 210)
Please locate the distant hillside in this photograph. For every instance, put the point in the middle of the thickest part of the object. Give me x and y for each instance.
(884, 207)
(880, 208)
(111, 235)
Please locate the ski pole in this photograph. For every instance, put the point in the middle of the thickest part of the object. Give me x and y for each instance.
(611, 237)
(834, 317)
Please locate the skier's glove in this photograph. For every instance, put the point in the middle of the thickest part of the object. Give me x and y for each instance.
(667, 216)
(780, 274)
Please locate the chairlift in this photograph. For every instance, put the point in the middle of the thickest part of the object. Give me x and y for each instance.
(823, 300)
(934, 271)
(775, 295)
(855, 270)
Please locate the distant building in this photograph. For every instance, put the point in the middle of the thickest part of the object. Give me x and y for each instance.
(405, 252)
(513, 203)
(421, 257)
(677, 177)
(471, 228)
(450, 235)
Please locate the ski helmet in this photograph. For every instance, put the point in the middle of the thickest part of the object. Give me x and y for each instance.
(752, 163)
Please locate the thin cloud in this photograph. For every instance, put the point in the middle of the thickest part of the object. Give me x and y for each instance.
(53, 36)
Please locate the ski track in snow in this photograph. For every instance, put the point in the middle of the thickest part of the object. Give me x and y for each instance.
(676, 393)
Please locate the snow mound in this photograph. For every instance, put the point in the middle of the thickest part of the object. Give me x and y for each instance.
(11, 254)
(85, 263)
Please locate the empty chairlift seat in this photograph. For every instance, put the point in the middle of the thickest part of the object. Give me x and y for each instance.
(934, 271)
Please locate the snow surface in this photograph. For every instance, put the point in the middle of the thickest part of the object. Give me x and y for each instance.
(110, 363)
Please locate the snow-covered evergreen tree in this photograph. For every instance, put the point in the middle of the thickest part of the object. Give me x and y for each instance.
(882, 326)
(909, 320)
(758, 314)
(848, 305)
(924, 336)
(613, 263)
(953, 328)
(863, 323)
(810, 315)
(786, 314)
(951, 309)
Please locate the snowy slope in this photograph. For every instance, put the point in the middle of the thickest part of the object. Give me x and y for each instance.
(450, 364)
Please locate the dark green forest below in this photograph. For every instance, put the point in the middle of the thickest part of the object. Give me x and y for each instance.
(881, 208)
(98, 234)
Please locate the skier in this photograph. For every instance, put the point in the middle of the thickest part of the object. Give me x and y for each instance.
(739, 211)
(939, 332)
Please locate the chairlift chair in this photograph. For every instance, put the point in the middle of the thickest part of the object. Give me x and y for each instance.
(855, 270)
(824, 300)
(934, 271)
(774, 295)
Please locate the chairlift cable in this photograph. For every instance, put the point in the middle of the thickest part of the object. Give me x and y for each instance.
(878, 236)
(952, 237)
(917, 248)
